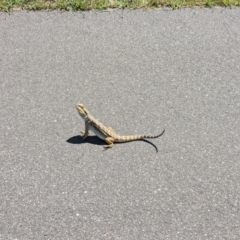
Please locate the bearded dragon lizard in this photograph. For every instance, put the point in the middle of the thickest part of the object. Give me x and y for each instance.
(103, 132)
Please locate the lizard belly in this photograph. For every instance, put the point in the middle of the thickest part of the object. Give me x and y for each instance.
(97, 132)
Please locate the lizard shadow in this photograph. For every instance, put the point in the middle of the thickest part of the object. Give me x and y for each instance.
(144, 140)
(96, 141)
(90, 139)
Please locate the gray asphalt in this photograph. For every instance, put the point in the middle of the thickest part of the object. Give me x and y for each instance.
(138, 71)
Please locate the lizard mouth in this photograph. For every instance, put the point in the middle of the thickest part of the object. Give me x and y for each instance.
(78, 106)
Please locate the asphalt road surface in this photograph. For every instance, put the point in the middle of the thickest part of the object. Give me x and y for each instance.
(138, 71)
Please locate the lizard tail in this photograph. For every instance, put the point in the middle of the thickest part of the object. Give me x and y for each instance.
(145, 136)
(135, 137)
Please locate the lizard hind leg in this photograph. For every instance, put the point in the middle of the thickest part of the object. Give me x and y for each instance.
(111, 129)
(109, 141)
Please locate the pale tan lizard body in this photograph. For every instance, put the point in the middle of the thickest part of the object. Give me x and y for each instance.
(103, 132)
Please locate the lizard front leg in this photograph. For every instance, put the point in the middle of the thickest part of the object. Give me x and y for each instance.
(109, 141)
(85, 133)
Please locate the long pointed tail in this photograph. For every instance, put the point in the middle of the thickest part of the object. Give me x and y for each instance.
(145, 136)
(135, 137)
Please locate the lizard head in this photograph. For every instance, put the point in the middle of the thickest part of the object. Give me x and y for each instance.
(83, 112)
